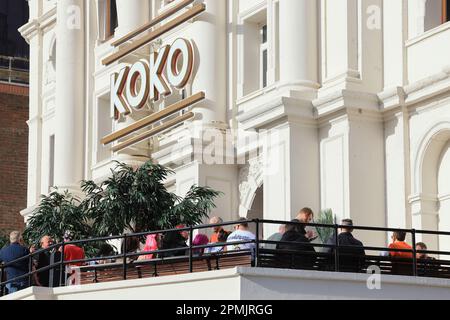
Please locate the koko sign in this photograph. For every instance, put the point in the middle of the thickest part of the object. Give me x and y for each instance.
(177, 60)
(168, 69)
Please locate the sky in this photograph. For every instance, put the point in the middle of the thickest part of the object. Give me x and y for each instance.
(13, 14)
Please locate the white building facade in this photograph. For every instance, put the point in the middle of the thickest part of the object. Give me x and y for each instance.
(340, 104)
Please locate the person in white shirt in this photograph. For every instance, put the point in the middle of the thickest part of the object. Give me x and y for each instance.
(241, 234)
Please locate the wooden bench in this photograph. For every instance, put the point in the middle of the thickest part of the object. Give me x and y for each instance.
(388, 265)
(267, 259)
(161, 267)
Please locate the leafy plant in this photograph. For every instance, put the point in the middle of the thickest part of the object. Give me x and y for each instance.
(55, 214)
(325, 217)
(137, 200)
(4, 240)
(130, 200)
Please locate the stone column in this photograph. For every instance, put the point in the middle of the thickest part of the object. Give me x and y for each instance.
(70, 104)
(298, 44)
(131, 15)
(209, 37)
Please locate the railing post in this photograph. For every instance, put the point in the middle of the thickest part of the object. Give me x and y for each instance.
(257, 244)
(62, 271)
(10, 70)
(30, 269)
(2, 286)
(336, 248)
(124, 255)
(191, 235)
(413, 235)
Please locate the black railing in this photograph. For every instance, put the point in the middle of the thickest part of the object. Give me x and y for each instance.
(256, 254)
(14, 70)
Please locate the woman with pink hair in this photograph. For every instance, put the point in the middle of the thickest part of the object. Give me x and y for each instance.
(199, 240)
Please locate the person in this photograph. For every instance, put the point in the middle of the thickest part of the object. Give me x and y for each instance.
(105, 250)
(427, 265)
(241, 234)
(401, 267)
(132, 246)
(199, 240)
(72, 253)
(14, 251)
(151, 244)
(222, 238)
(398, 242)
(420, 246)
(306, 215)
(301, 253)
(351, 259)
(50, 277)
(175, 240)
(276, 237)
(216, 230)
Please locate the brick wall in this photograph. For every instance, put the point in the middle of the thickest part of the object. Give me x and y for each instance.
(13, 156)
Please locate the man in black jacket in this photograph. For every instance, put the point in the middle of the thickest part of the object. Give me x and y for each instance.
(351, 251)
(299, 253)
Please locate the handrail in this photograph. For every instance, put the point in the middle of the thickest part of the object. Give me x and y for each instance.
(190, 248)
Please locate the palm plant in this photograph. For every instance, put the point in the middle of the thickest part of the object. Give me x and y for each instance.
(55, 214)
(3, 240)
(137, 200)
(130, 200)
(325, 217)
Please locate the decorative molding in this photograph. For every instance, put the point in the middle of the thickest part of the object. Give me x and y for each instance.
(251, 178)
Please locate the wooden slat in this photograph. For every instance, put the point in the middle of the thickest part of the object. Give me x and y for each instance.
(183, 104)
(152, 23)
(153, 132)
(125, 50)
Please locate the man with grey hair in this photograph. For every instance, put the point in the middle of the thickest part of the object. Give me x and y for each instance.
(217, 230)
(11, 253)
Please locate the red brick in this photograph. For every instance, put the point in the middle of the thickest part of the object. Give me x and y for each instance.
(13, 155)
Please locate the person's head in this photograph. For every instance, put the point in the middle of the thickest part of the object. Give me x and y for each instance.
(15, 237)
(347, 225)
(184, 233)
(306, 215)
(243, 224)
(223, 236)
(216, 220)
(420, 246)
(399, 236)
(46, 242)
(292, 227)
(68, 236)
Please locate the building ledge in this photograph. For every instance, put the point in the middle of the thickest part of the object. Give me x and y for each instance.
(251, 283)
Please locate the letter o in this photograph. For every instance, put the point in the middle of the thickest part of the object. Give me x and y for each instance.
(138, 98)
(180, 48)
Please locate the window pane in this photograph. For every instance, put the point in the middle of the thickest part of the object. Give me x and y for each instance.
(447, 10)
(113, 23)
(264, 34)
(264, 71)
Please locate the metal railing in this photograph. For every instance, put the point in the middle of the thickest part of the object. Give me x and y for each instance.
(14, 70)
(256, 250)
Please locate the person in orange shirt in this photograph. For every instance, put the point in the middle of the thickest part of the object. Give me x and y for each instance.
(216, 230)
(398, 242)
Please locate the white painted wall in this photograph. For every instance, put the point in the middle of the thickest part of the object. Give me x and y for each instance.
(250, 284)
(350, 108)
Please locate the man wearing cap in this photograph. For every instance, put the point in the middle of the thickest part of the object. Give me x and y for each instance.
(351, 250)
